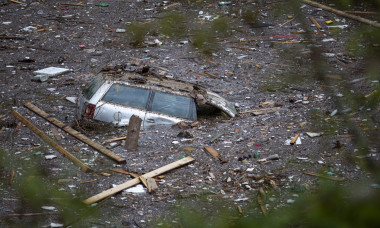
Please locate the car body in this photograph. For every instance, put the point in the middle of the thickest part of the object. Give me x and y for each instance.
(115, 96)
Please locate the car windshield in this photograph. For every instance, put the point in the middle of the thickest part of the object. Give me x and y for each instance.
(92, 87)
(172, 105)
(126, 95)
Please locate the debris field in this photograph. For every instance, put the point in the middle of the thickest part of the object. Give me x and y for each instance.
(275, 149)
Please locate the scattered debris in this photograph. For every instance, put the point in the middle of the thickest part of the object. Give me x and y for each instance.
(354, 17)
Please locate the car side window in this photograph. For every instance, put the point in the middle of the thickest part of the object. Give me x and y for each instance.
(126, 95)
(172, 105)
(92, 87)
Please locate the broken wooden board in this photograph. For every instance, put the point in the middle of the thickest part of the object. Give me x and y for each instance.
(51, 142)
(75, 133)
(137, 180)
(214, 153)
(149, 183)
(56, 134)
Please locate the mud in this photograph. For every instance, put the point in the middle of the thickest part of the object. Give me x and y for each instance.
(258, 67)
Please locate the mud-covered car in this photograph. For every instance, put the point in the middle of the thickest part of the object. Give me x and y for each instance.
(116, 96)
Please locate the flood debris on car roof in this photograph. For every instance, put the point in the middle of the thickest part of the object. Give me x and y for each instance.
(144, 77)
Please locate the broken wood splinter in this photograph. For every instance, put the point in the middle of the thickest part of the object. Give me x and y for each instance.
(294, 140)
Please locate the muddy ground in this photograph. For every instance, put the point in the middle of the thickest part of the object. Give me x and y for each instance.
(254, 65)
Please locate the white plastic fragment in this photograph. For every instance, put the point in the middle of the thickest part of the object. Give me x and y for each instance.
(56, 225)
(49, 157)
(138, 189)
(328, 40)
(333, 113)
(119, 30)
(338, 26)
(290, 201)
(241, 199)
(51, 71)
(29, 29)
(72, 99)
(314, 134)
(49, 208)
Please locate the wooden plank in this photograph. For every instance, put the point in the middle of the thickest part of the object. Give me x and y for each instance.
(75, 133)
(137, 180)
(51, 142)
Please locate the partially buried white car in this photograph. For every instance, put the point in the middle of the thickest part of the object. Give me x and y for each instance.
(115, 96)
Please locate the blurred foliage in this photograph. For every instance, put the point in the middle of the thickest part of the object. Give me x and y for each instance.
(34, 189)
(136, 33)
(173, 24)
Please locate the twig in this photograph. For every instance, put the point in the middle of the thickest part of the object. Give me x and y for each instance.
(17, 2)
(316, 23)
(72, 4)
(286, 22)
(323, 176)
(11, 177)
